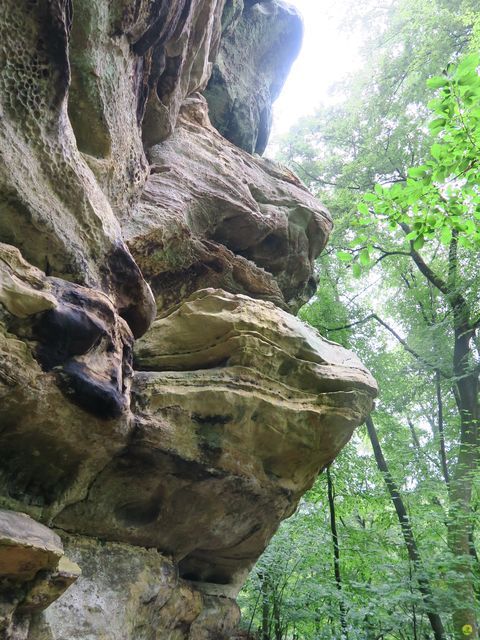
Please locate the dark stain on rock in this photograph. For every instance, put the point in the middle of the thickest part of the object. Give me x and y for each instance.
(65, 332)
(135, 301)
(89, 351)
(103, 398)
(211, 420)
(38, 471)
(138, 514)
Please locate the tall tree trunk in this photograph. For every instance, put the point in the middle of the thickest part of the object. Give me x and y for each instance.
(465, 387)
(414, 608)
(336, 555)
(441, 429)
(461, 484)
(277, 622)
(265, 607)
(411, 545)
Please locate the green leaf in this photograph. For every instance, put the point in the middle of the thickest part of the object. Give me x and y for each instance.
(417, 172)
(436, 150)
(446, 236)
(467, 65)
(364, 257)
(418, 243)
(436, 82)
(356, 270)
(344, 256)
(437, 125)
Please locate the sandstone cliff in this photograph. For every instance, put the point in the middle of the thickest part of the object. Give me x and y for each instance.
(161, 409)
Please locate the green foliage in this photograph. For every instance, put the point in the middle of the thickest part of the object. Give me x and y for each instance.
(396, 159)
(379, 588)
(442, 195)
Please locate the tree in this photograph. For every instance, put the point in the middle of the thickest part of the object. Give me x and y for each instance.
(440, 202)
(421, 245)
(410, 542)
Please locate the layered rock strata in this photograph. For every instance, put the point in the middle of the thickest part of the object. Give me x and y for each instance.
(213, 215)
(34, 572)
(161, 410)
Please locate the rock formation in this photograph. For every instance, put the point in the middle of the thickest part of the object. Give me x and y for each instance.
(161, 409)
(259, 42)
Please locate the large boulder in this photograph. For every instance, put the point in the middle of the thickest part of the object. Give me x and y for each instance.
(213, 215)
(261, 39)
(237, 418)
(164, 465)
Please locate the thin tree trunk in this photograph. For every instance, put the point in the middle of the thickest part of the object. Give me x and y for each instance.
(441, 429)
(265, 608)
(277, 623)
(411, 545)
(413, 433)
(336, 555)
(414, 609)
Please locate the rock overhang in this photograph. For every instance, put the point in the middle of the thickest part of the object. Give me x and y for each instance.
(238, 406)
(121, 203)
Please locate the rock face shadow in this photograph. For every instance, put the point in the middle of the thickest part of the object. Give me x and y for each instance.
(161, 408)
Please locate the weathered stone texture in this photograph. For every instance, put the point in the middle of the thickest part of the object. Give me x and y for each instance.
(165, 462)
(33, 572)
(51, 204)
(260, 41)
(237, 418)
(130, 592)
(180, 64)
(204, 196)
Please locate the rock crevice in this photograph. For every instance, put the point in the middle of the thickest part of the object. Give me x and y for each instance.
(161, 409)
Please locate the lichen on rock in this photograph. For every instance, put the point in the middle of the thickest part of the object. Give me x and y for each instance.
(161, 409)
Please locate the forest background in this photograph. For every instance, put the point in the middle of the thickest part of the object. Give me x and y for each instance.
(385, 544)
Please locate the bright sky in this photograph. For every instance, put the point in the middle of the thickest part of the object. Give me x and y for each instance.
(327, 54)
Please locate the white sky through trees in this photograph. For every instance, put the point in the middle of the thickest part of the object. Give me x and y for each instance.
(328, 53)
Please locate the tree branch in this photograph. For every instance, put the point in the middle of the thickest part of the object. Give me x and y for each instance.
(405, 345)
(321, 181)
(423, 267)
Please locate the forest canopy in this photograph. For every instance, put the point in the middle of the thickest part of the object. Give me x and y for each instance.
(384, 546)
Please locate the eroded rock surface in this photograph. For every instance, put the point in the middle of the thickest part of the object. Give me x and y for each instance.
(260, 41)
(51, 204)
(185, 38)
(34, 572)
(165, 465)
(131, 592)
(213, 215)
(65, 376)
(236, 418)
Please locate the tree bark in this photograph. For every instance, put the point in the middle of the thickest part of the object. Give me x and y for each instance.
(410, 543)
(461, 484)
(336, 555)
(265, 608)
(441, 429)
(465, 387)
(466, 396)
